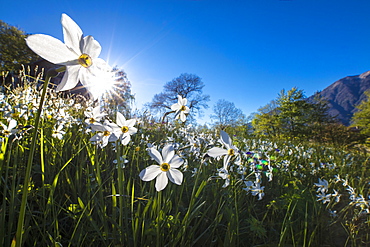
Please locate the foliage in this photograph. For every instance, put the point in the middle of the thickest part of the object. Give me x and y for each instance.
(294, 113)
(266, 122)
(361, 118)
(13, 49)
(188, 86)
(293, 116)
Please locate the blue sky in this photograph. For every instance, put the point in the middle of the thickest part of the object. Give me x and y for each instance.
(246, 51)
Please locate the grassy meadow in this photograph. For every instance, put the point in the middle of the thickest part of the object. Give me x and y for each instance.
(85, 186)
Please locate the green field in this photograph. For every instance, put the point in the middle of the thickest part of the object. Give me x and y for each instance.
(84, 187)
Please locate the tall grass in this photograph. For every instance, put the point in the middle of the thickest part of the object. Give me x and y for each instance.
(82, 194)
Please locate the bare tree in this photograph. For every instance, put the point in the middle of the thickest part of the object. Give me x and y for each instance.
(189, 86)
(226, 114)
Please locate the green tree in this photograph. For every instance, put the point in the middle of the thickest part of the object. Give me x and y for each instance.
(361, 118)
(266, 122)
(320, 119)
(189, 86)
(13, 48)
(292, 115)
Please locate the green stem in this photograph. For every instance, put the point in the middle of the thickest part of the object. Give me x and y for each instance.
(19, 234)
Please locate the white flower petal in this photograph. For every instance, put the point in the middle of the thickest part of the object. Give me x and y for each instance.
(87, 79)
(12, 124)
(132, 130)
(155, 155)
(96, 111)
(150, 173)
(175, 107)
(101, 65)
(216, 152)
(97, 127)
(125, 139)
(70, 78)
(182, 116)
(96, 138)
(176, 161)
(121, 120)
(161, 181)
(72, 34)
(225, 139)
(130, 122)
(112, 138)
(226, 161)
(184, 101)
(175, 176)
(91, 47)
(167, 153)
(50, 48)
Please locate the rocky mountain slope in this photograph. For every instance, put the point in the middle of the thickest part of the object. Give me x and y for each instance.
(345, 94)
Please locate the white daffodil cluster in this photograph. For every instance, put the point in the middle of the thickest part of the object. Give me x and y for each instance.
(358, 200)
(108, 131)
(322, 188)
(19, 109)
(242, 164)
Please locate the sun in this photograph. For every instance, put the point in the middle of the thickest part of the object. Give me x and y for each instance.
(103, 81)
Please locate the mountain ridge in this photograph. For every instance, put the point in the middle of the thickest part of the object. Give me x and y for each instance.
(345, 94)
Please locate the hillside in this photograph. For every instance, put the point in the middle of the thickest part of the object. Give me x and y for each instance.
(345, 94)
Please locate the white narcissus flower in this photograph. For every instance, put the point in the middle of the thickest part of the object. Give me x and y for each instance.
(79, 54)
(168, 162)
(58, 132)
(322, 185)
(124, 128)
(93, 115)
(229, 152)
(224, 174)
(325, 198)
(180, 108)
(9, 130)
(104, 134)
(257, 190)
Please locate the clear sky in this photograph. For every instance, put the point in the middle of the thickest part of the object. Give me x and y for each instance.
(246, 51)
